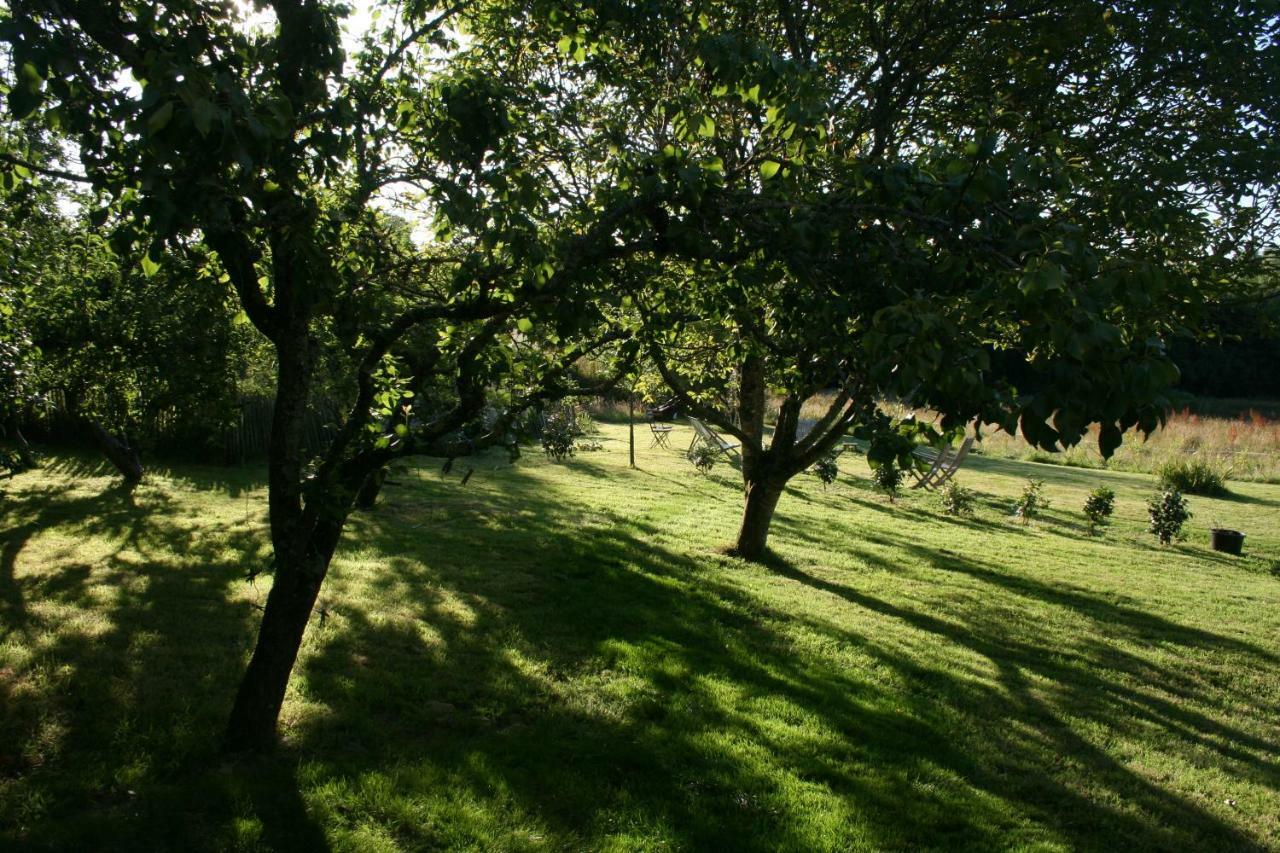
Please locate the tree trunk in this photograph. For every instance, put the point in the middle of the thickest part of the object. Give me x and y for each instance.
(762, 500)
(118, 451)
(25, 456)
(302, 547)
(370, 489)
(252, 726)
(24, 450)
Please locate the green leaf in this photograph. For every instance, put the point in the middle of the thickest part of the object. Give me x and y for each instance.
(769, 168)
(149, 266)
(1109, 438)
(1042, 279)
(29, 76)
(202, 115)
(707, 128)
(160, 118)
(22, 101)
(524, 324)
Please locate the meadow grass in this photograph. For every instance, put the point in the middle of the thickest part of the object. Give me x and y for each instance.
(560, 657)
(1240, 439)
(1243, 448)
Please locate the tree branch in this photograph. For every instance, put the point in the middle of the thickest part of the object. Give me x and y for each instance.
(683, 393)
(237, 256)
(44, 170)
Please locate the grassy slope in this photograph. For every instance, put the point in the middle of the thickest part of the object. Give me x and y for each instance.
(557, 657)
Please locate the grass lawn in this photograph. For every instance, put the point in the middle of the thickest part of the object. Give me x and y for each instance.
(558, 657)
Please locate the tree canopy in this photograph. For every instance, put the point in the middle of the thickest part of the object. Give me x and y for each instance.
(1001, 212)
(439, 219)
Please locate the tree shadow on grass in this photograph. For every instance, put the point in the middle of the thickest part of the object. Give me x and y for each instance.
(1045, 689)
(900, 509)
(1234, 496)
(232, 481)
(476, 685)
(113, 512)
(510, 667)
(490, 703)
(108, 722)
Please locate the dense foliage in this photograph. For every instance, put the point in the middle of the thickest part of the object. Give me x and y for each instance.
(281, 156)
(1168, 512)
(1099, 506)
(995, 229)
(1195, 476)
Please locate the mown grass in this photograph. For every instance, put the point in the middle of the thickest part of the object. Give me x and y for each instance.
(559, 657)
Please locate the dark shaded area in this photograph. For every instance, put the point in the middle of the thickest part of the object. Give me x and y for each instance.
(493, 606)
(139, 691)
(1239, 361)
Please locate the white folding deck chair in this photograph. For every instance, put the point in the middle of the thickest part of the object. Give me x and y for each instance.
(703, 433)
(943, 464)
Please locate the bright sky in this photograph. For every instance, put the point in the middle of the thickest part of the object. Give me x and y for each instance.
(353, 26)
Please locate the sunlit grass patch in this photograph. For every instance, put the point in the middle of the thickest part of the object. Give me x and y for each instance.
(558, 656)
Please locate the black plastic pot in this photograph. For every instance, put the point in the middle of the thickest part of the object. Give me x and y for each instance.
(1227, 541)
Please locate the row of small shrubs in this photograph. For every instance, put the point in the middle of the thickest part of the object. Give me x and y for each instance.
(1167, 511)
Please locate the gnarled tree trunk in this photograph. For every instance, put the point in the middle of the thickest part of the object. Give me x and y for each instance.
(762, 499)
(302, 555)
(367, 497)
(118, 450)
(252, 725)
(25, 455)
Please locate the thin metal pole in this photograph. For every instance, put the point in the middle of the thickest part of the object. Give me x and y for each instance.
(631, 427)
